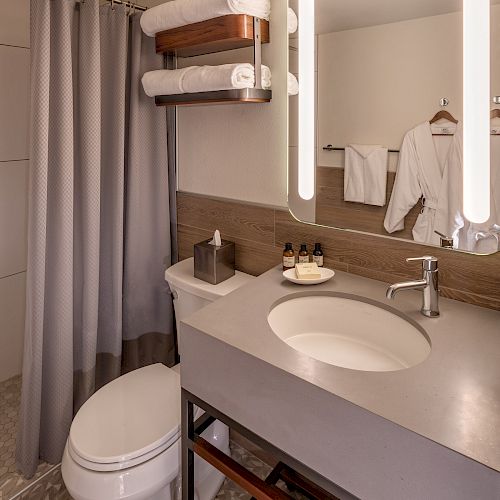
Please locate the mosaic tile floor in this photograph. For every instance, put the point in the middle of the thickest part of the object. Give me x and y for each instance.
(51, 486)
(11, 481)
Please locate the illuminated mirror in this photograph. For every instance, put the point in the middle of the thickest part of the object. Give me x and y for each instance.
(395, 130)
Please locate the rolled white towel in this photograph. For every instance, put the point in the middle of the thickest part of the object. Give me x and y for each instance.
(293, 84)
(163, 82)
(293, 22)
(177, 13)
(202, 79)
(223, 77)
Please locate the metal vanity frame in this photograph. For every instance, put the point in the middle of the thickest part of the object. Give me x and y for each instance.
(288, 469)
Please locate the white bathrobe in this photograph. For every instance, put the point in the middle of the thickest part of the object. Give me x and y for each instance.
(423, 164)
(481, 238)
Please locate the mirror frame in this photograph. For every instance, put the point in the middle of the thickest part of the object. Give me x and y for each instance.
(476, 100)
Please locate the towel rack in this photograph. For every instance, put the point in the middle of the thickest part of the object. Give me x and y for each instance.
(333, 148)
(217, 35)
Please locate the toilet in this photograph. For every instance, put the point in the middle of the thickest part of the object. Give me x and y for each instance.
(124, 442)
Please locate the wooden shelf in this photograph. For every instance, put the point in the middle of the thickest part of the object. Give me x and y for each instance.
(214, 35)
(244, 96)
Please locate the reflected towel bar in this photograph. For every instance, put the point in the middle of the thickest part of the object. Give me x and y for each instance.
(332, 148)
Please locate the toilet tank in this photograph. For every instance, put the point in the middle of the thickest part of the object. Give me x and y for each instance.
(191, 294)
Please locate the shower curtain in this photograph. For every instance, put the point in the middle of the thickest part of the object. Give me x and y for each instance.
(99, 222)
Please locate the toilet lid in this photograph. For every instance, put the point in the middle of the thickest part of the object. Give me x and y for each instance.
(130, 417)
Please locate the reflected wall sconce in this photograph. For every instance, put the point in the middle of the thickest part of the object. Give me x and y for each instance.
(307, 99)
(476, 154)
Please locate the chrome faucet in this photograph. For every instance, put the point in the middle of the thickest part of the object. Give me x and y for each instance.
(429, 285)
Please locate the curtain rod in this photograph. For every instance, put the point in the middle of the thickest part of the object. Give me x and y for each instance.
(129, 4)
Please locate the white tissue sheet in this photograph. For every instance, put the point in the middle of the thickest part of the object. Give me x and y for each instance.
(178, 13)
(217, 240)
(203, 79)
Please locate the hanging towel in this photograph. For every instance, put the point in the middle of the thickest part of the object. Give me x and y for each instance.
(293, 84)
(177, 13)
(365, 176)
(293, 22)
(203, 79)
(486, 243)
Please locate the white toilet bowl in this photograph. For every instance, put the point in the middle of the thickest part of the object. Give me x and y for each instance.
(124, 442)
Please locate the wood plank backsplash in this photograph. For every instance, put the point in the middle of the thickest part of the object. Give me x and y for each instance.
(260, 234)
(333, 211)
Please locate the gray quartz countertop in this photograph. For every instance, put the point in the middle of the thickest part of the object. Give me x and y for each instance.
(452, 398)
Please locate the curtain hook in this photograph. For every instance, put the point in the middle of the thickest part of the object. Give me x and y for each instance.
(112, 4)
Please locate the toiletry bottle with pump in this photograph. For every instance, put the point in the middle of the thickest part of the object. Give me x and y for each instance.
(303, 254)
(318, 255)
(288, 257)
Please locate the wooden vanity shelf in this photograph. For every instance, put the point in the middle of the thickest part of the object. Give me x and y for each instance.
(214, 35)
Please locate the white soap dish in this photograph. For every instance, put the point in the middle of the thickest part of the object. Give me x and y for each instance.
(326, 274)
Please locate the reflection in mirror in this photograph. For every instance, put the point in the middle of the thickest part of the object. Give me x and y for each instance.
(389, 110)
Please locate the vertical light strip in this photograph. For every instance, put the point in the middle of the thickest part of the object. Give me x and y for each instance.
(477, 85)
(307, 96)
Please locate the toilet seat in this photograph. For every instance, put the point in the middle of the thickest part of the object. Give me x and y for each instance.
(141, 420)
(116, 466)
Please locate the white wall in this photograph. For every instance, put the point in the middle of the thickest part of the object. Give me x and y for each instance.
(239, 151)
(14, 101)
(377, 83)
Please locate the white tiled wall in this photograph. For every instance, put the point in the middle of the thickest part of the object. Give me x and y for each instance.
(12, 292)
(14, 102)
(13, 204)
(14, 164)
(14, 22)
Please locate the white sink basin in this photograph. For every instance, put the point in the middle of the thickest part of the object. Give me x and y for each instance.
(349, 332)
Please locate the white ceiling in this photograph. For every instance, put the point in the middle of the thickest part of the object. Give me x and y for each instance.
(340, 15)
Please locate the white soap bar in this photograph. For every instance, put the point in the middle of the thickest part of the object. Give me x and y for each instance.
(307, 271)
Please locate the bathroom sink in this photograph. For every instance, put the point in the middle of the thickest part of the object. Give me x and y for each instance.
(349, 332)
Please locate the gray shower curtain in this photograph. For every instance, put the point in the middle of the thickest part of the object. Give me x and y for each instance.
(99, 222)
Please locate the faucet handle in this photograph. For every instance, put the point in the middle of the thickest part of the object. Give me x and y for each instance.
(429, 263)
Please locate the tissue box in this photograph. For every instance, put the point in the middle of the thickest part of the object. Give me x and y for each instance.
(214, 264)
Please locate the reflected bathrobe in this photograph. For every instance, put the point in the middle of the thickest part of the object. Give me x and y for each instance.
(481, 238)
(423, 163)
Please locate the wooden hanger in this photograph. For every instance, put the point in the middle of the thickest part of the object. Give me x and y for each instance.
(443, 115)
(495, 113)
